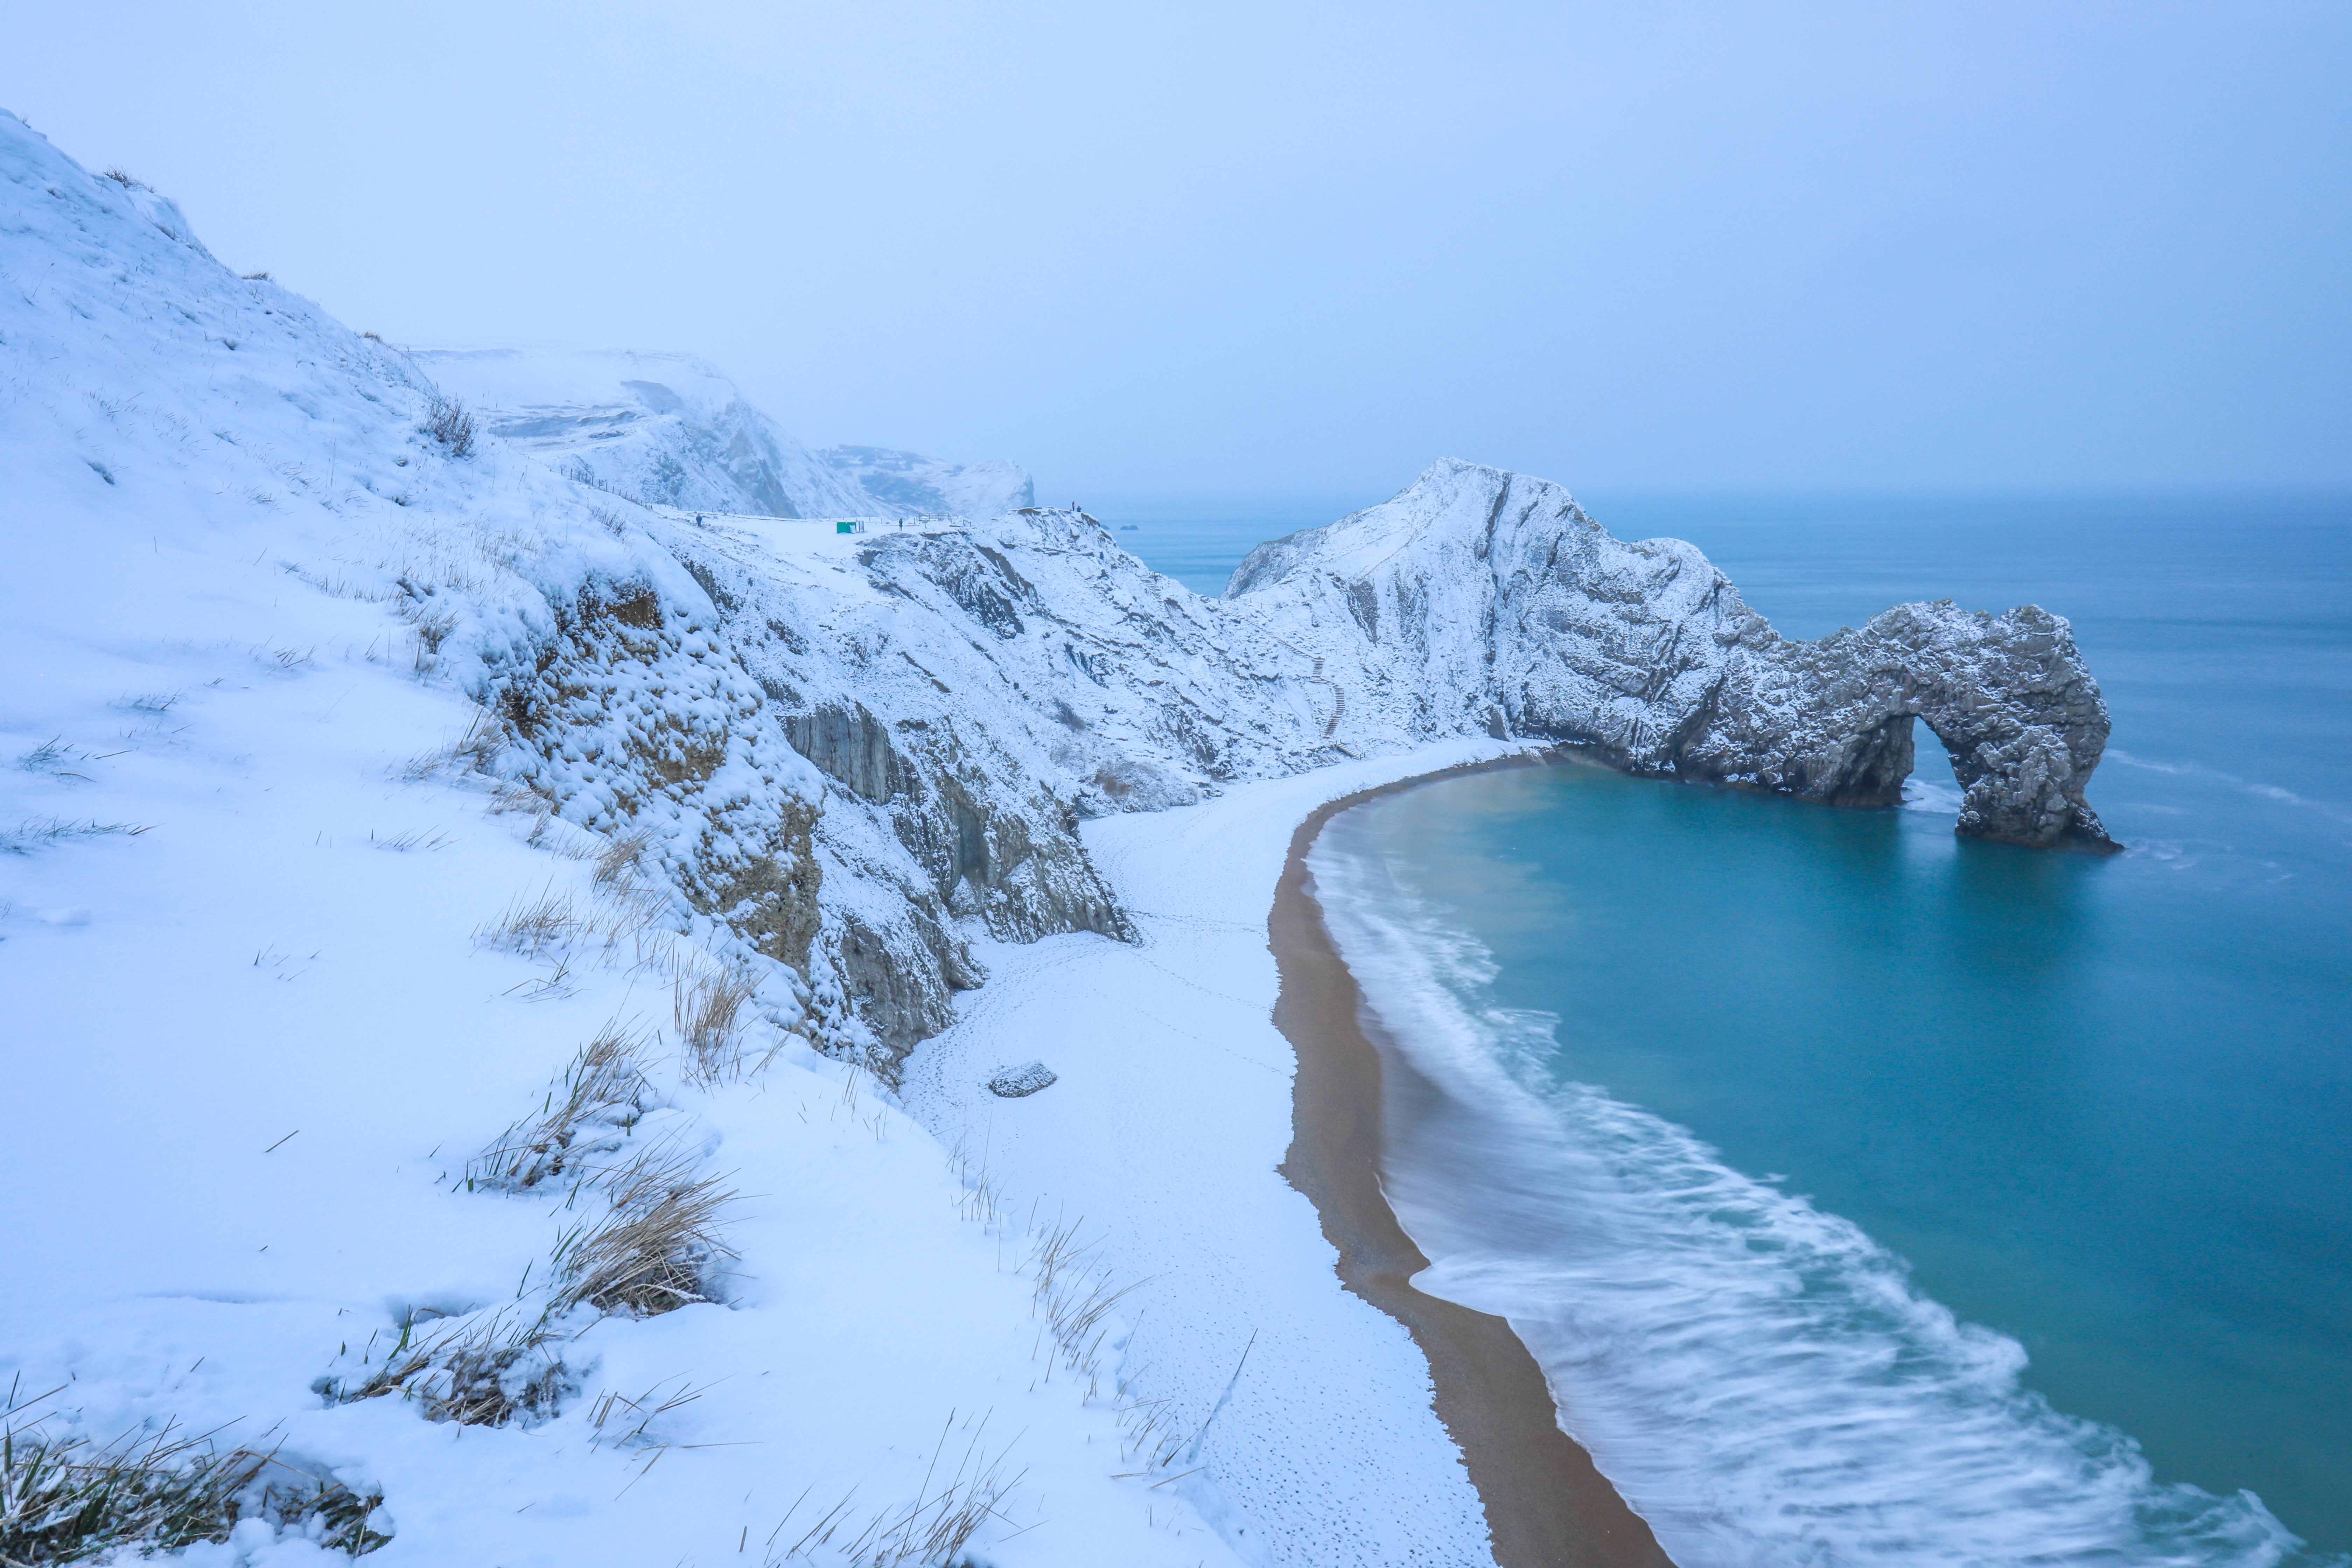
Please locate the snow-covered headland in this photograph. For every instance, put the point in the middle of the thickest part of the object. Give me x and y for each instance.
(478, 846)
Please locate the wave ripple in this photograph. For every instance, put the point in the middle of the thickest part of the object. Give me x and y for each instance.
(1758, 1377)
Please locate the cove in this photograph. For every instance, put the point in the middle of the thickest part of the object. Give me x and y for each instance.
(2097, 1107)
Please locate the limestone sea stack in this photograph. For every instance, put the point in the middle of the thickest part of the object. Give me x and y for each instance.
(1491, 597)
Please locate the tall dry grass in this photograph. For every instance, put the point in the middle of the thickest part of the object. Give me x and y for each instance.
(601, 1095)
(656, 1248)
(933, 1529)
(65, 1499)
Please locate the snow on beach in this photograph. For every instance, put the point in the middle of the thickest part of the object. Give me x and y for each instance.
(1172, 1108)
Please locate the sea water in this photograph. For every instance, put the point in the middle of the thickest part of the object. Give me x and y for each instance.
(1872, 1196)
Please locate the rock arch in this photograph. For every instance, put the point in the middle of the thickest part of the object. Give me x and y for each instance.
(2008, 695)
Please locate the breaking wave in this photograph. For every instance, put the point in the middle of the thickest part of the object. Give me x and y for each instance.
(1933, 799)
(1758, 1377)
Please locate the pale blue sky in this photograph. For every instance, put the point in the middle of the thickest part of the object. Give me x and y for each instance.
(1238, 250)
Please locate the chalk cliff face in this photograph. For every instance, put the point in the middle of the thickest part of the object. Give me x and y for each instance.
(1489, 597)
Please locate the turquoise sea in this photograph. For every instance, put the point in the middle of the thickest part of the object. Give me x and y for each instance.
(1874, 1197)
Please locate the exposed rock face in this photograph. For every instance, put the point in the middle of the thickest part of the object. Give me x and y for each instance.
(1490, 599)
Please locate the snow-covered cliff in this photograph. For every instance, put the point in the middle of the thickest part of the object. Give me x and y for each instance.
(667, 429)
(907, 484)
(385, 1124)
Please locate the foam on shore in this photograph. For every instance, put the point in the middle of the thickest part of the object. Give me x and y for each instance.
(1757, 1376)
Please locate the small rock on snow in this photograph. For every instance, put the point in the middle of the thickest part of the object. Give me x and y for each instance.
(1027, 1078)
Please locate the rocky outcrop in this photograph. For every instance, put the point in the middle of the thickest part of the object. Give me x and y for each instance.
(1486, 599)
(2007, 696)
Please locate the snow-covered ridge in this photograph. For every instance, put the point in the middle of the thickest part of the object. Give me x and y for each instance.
(907, 484)
(667, 429)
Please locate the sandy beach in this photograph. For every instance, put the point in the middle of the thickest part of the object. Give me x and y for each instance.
(1330, 1407)
(1546, 1504)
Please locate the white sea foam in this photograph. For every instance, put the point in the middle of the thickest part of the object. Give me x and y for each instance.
(1935, 799)
(2252, 787)
(1758, 1377)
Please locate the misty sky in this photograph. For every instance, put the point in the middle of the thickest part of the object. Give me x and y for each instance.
(1280, 248)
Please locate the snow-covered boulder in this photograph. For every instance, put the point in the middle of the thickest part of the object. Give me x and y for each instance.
(1019, 1083)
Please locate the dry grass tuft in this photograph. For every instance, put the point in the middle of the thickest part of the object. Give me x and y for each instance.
(521, 797)
(658, 1248)
(432, 629)
(603, 1095)
(709, 1013)
(468, 752)
(44, 832)
(934, 1529)
(609, 1419)
(1075, 1295)
(447, 422)
(49, 757)
(68, 1499)
(414, 838)
(486, 1369)
(618, 869)
(532, 926)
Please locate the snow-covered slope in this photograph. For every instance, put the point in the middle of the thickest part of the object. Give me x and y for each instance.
(364, 1110)
(668, 430)
(907, 484)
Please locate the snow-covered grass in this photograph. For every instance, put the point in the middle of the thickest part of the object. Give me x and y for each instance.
(70, 1499)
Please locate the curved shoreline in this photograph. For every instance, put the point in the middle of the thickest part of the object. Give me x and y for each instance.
(1547, 1506)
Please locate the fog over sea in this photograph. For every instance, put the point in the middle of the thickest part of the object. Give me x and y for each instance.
(1875, 1197)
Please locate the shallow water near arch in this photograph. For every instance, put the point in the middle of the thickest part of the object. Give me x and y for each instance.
(1708, 1069)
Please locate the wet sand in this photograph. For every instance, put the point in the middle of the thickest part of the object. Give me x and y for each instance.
(1546, 1505)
